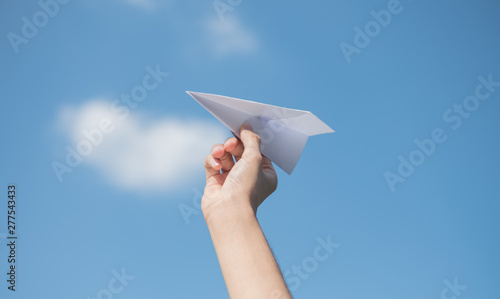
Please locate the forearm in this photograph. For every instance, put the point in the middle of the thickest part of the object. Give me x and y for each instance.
(247, 263)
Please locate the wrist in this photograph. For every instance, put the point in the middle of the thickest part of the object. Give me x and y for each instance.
(227, 211)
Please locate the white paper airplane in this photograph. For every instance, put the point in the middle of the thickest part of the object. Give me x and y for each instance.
(283, 132)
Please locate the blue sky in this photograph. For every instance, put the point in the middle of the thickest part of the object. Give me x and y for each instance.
(430, 231)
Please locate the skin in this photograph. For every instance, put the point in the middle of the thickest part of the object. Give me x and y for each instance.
(239, 179)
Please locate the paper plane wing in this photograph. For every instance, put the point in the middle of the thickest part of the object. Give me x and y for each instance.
(283, 132)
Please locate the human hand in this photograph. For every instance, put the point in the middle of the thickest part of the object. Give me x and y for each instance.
(241, 185)
(234, 191)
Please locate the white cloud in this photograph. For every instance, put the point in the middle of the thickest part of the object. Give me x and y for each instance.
(229, 36)
(141, 154)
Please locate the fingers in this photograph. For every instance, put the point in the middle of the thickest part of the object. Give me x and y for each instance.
(212, 166)
(222, 156)
(248, 147)
(234, 147)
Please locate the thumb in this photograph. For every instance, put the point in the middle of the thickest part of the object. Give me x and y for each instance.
(251, 143)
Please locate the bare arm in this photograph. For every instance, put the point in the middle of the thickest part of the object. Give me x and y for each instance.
(232, 195)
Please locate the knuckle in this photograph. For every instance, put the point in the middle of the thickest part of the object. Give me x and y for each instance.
(216, 146)
(207, 159)
(225, 157)
(253, 156)
(252, 136)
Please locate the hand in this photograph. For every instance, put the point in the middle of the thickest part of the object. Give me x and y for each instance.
(234, 191)
(237, 186)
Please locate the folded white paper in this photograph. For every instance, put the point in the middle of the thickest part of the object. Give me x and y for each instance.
(283, 132)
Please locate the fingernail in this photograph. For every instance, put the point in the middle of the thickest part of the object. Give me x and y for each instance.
(246, 126)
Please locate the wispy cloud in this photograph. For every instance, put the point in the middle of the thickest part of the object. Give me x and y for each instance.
(229, 37)
(140, 153)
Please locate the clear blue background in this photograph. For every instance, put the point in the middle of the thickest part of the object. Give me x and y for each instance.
(441, 223)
